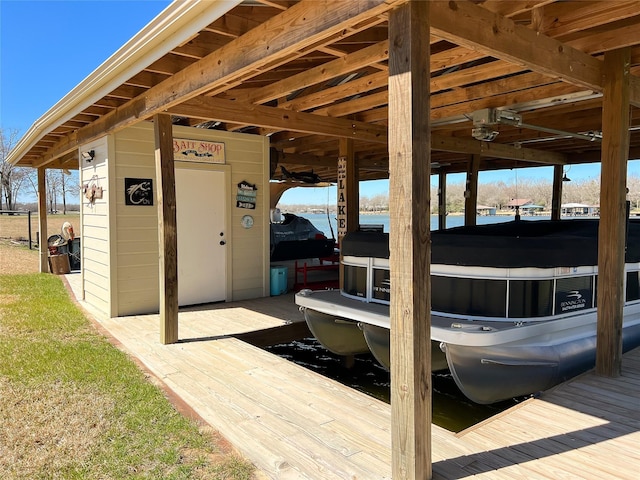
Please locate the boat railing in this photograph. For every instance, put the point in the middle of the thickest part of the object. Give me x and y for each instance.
(504, 294)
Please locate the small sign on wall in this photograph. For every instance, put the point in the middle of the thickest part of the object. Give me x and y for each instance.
(198, 151)
(246, 195)
(138, 191)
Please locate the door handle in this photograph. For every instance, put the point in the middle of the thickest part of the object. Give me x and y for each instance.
(222, 242)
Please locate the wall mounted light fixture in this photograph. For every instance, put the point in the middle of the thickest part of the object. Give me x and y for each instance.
(88, 156)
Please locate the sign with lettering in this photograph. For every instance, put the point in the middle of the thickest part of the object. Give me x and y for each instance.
(246, 195)
(342, 197)
(138, 191)
(198, 151)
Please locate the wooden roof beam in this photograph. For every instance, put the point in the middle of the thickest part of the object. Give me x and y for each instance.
(327, 71)
(145, 79)
(208, 108)
(360, 104)
(596, 156)
(169, 64)
(295, 142)
(368, 56)
(569, 18)
(324, 161)
(513, 8)
(278, 5)
(474, 27)
(495, 150)
(371, 82)
(557, 92)
(609, 37)
(490, 92)
(358, 86)
(232, 25)
(339, 53)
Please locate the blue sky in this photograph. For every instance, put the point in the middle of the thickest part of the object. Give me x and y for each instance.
(49, 47)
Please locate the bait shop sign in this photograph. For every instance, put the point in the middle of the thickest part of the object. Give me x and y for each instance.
(198, 151)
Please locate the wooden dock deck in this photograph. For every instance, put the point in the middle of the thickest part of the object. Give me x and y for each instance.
(295, 424)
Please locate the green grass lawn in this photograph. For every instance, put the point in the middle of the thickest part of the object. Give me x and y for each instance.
(72, 406)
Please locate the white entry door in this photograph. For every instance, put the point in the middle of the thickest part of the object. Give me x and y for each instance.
(200, 215)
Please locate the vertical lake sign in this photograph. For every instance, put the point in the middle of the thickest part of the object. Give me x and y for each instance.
(198, 151)
(342, 197)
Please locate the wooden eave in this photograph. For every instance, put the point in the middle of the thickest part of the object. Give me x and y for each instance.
(307, 74)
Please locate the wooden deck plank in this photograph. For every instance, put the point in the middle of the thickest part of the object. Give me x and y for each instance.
(356, 441)
(374, 463)
(579, 418)
(612, 401)
(453, 458)
(334, 432)
(596, 407)
(513, 461)
(561, 432)
(263, 419)
(295, 424)
(545, 458)
(631, 365)
(269, 396)
(275, 370)
(471, 462)
(360, 418)
(593, 444)
(622, 385)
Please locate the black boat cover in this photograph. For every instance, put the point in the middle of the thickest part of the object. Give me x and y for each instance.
(297, 238)
(539, 243)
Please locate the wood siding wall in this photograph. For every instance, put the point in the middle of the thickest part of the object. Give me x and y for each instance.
(96, 233)
(130, 260)
(136, 227)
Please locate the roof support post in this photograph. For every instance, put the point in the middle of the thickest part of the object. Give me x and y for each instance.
(442, 201)
(167, 229)
(471, 192)
(43, 244)
(409, 240)
(613, 212)
(556, 196)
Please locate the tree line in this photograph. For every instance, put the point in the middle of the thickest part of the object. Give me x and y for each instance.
(498, 194)
(16, 181)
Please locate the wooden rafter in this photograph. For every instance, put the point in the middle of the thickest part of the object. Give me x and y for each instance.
(474, 27)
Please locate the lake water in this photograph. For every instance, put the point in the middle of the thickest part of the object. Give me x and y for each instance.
(321, 221)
